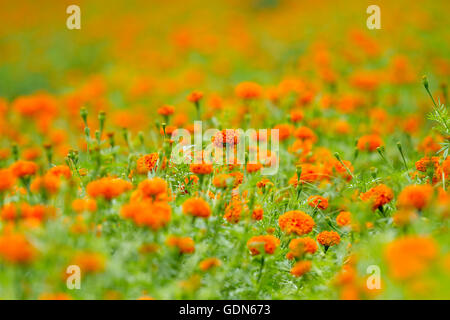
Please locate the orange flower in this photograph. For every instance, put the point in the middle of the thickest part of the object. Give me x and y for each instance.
(184, 244)
(195, 96)
(7, 179)
(147, 163)
(15, 248)
(257, 213)
(222, 180)
(154, 215)
(108, 188)
(298, 247)
(300, 268)
(226, 137)
(415, 196)
(209, 263)
(328, 238)
(268, 243)
(404, 217)
(248, 90)
(427, 162)
(284, 131)
(89, 262)
(81, 205)
(410, 256)
(264, 182)
(50, 183)
(201, 168)
(166, 110)
(369, 142)
(23, 168)
(296, 222)
(318, 202)
(233, 210)
(344, 218)
(305, 133)
(60, 171)
(153, 187)
(378, 196)
(296, 115)
(197, 207)
(255, 167)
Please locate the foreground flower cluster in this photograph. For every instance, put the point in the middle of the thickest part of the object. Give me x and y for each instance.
(358, 208)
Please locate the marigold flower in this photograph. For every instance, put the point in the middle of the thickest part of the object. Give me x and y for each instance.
(197, 207)
(264, 182)
(89, 262)
(300, 268)
(427, 162)
(415, 196)
(328, 238)
(59, 171)
(284, 131)
(253, 167)
(201, 168)
(248, 90)
(147, 163)
(184, 244)
(209, 263)
(107, 188)
(298, 247)
(233, 210)
(23, 168)
(344, 218)
(305, 133)
(195, 96)
(166, 110)
(153, 187)
(257, 213)
(268, 243)
(15, 248)
(404, 217)
(81, 205)
(154, 215)
(222, 180)
(7, 179)
(318, 202)
(50, 183)
(226, 138)
(296, 115)
(369, 142)
(378, 196)
(296, 222)
(410, 256)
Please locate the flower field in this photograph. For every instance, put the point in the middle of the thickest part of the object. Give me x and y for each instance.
(340, 184)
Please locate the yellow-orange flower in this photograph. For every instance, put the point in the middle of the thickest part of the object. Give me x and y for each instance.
(298, 247)
(328, 238)
(266, 243)
(410, 256)
(344, 218)
(107, 188)
(296, 222)
(415, 196)
(23, 168)
(209, 263)
(300, 268)
(197, 207)
(378, 196)
(318, 202)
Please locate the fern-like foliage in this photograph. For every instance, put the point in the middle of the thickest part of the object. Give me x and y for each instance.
(440, 116)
